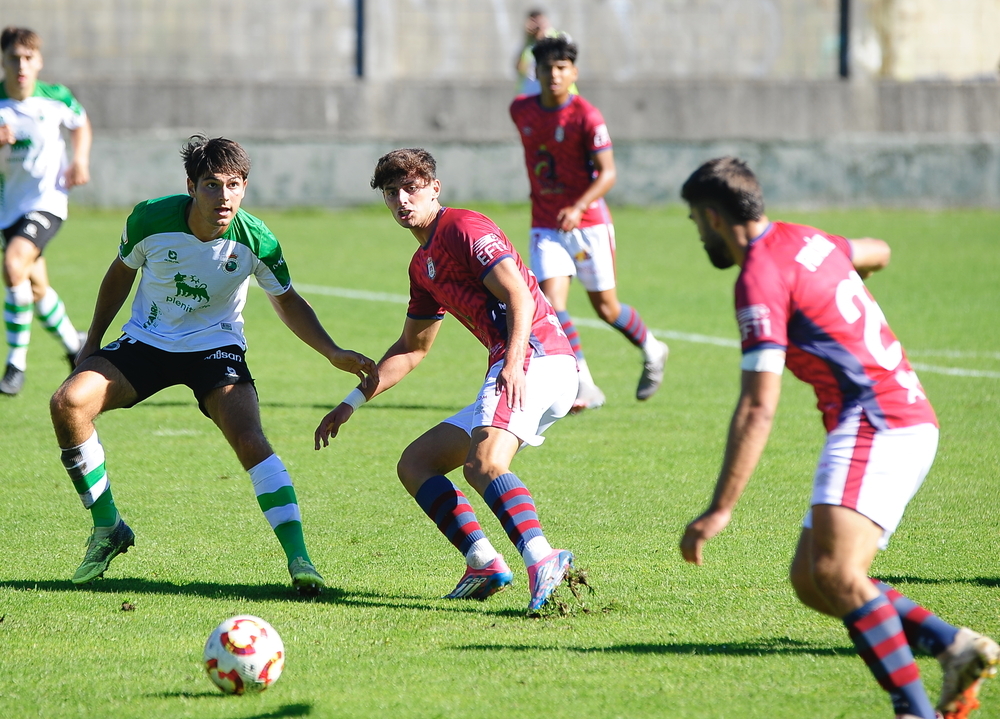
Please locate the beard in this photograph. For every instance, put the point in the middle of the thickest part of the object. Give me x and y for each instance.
(718, 253)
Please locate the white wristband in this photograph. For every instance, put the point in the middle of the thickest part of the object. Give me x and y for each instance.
(356, 398)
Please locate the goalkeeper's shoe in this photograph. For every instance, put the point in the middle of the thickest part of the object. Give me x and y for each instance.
(306, 580)
(971, 658)
(545, 576)
(483, 583)
(102, 547)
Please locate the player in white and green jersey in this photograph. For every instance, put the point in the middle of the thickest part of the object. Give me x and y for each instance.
(195, 253)
(35, 179)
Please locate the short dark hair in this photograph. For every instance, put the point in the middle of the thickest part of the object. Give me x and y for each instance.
(403, 163)
(555, 48)
(204, 156)
(728, 184)
(12, 35)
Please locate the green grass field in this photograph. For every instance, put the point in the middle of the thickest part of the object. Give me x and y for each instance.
(660, 638)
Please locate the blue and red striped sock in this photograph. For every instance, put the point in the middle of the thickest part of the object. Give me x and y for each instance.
(571, 334)
(511, 502)
(450, 510)
(925, 631)
(630, 324)
(877, 632)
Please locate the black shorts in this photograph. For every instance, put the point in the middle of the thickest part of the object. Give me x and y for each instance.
(149, 369)
(36, 227)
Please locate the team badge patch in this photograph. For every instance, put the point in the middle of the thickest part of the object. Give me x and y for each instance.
(232, 264)
(560, 133)
(431, 272)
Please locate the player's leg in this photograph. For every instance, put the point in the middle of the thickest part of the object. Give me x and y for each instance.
(498, 433)
(236, 412)
(49, 308)
(95, 387)
(552, 261)
(422, 469)
(596, 267)
(843, 544)
(19, 254)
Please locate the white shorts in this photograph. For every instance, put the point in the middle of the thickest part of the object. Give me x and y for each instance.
(874, 472)
(551, 385)
(588, 252)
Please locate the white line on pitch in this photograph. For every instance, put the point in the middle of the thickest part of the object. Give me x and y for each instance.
(673, 335)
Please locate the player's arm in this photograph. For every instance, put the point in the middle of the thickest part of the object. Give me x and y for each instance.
(504, 280)
(604, 164)
(399, 360)
(748, 433)
(299, 316)
(869, 255)
(81, 138)
(115, 286)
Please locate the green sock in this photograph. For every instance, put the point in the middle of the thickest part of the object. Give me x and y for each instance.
(104, 511)
(292, 540)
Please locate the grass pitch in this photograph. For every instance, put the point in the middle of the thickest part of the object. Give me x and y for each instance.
(659, 638)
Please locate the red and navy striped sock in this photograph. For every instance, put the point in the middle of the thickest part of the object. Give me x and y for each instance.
(630, 324)
(571, 334)
(450, 510)
(511, 502)
(925, 631)
(877, 632)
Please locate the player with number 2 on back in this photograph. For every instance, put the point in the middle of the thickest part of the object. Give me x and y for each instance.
(801, 302)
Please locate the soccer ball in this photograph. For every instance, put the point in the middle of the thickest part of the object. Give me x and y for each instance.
(244, 654)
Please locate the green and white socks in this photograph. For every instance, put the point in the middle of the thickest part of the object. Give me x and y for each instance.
(17, 311)
(85, 465)
(52, 312)
(276, 497)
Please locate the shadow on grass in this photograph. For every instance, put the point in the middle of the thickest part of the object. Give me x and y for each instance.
(288, 710)
(892, 579)
(450, 408)
(255, 592)
(759, 647)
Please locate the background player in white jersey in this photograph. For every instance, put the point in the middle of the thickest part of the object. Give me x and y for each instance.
(196, 253)
(801, 303)
(35, 179)
(466, 266)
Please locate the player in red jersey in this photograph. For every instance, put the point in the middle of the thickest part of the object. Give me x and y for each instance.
(466, 266)
(571, 167)
(801, 301)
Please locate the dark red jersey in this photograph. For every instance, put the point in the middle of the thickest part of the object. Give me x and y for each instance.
(558, 148)
(799, 292)
(447, 274)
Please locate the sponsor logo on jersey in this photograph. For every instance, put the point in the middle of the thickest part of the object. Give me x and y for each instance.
(232, 264)
(154, 314)
(220, 354)
(817, 249)
(113, 346)
(171, 256)
(230, 372)
(560, 133)
(31, 230)
(601, 136)
(755, 321)
(226, 326)
(194, 288)
(431, 271)
(581, 256)
(487, 247)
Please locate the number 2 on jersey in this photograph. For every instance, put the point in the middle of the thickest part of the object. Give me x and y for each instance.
(854, 288)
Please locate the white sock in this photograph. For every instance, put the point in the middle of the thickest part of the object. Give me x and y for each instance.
(480, 554)
(52, 312)
(652, 348)
(535, 550)
(585, 378)
(18, 338)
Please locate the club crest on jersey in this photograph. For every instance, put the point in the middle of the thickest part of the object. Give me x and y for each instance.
(431, 271)
(560, 133)
(232, 264)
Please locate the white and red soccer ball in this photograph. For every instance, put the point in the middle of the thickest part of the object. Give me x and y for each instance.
(244, 654)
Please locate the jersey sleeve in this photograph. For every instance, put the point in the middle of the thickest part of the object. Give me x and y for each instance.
(271, 271)
(73, 114)
(422, 305)
(130, 250)
(596, 130)
(481, 245)
(762, 305)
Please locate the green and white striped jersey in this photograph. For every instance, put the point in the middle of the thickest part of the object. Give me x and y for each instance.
(31, 170)
(191, 293)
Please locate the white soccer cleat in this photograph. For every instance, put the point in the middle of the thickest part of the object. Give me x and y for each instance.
(589, 396)
(971, 658)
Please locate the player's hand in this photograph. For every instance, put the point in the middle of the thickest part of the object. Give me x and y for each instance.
(357, 364)
(512, 377)
(7, 135)
(331, 424)
(77, 174)
(700, 530)
(569, 217)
